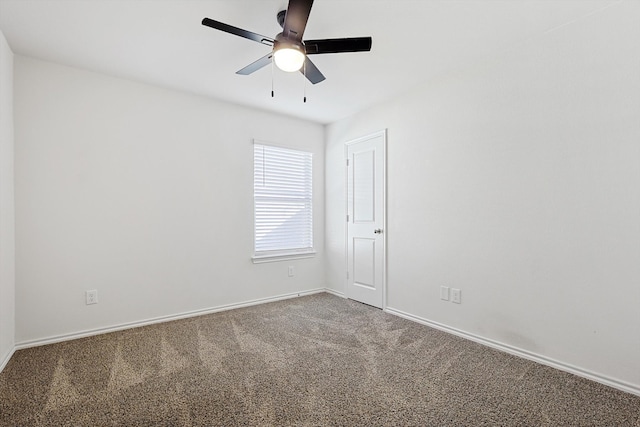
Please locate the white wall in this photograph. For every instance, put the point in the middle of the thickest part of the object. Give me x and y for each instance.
(144, 194)
(7, 243)
(519, 183)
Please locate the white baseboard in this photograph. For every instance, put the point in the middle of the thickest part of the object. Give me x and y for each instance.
(620, 385)
(6, 358)
(611, 382)
(334, 292)
(161, 319)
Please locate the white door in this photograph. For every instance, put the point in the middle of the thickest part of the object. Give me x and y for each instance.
(366, 160)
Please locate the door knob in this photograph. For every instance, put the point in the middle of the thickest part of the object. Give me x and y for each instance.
(378, 231)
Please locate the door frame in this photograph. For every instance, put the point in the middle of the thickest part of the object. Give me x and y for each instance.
(383, 134)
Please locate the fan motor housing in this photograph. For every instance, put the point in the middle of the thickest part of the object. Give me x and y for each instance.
(282, 42)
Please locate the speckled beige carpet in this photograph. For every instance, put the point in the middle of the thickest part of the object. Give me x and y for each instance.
(313, 361)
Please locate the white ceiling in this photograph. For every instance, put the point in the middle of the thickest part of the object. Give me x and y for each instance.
(162, 42)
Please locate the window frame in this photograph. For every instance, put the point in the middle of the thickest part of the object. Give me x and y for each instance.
(281, 254)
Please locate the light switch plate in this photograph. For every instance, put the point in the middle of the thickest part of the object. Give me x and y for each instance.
(444, 293)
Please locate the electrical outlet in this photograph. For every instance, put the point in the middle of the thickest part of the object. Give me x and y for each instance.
(91, 297)
(292, 271)
(444, 293)
(456, 295)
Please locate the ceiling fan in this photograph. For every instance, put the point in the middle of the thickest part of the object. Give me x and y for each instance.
(290, 52)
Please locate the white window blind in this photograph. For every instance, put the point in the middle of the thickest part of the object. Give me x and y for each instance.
(282, 201)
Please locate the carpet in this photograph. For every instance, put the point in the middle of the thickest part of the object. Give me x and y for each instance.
(317, 360)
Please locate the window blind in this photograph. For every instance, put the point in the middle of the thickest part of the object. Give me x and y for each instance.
(282, 194)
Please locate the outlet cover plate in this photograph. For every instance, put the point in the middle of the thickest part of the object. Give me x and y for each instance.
(91, 297)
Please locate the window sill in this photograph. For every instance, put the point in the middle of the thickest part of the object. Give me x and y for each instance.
(259, 259)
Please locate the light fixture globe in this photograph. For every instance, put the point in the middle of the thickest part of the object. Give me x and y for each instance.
(288, 56)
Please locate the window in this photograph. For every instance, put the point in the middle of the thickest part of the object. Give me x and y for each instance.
(283, 208)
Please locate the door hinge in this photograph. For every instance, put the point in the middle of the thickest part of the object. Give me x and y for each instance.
(347, 274)
(347, 162)
(347, 218)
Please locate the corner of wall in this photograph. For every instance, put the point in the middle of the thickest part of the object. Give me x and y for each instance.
(7, 217)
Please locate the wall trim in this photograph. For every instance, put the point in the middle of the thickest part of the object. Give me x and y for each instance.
(611, 382)
(7, 357)
(161, 319)
(566, 367)
(336, 293)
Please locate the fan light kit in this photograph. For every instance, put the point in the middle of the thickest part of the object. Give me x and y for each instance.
(288, 50)
(289, 59)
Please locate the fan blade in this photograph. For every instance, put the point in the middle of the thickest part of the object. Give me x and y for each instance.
(354, 44)
(311, 72)
(296, 18)
(237, 31)
(255, 66)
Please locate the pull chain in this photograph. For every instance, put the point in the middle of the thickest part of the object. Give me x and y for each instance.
(272, 76)
(304, 72)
